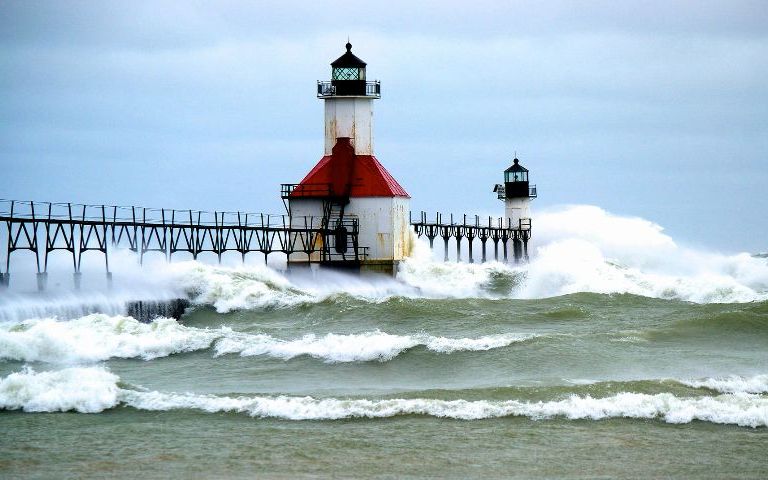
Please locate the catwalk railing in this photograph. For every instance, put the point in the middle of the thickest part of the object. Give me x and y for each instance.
(44, 228)
(506, 232)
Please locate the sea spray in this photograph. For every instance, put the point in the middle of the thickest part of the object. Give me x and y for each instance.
(579, 249)
(586, 249)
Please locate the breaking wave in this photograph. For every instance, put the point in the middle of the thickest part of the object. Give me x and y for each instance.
(82, 389)
(732, 384)
(576, 249)
(99, 337)
(586, 249)
(94, 389)
(361, 347)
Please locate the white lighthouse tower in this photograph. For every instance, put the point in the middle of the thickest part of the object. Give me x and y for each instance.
(516, 192)
(349, 186)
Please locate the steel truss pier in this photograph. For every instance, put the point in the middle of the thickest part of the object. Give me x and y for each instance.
(498, 230)
(43, 228)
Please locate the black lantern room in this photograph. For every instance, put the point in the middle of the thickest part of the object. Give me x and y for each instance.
(348, 78)
(348, 67)
(515, 183)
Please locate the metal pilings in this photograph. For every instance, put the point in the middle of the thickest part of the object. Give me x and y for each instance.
(499, 230)
(77, 228)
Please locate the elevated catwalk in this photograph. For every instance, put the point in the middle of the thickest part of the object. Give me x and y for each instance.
(43, 228)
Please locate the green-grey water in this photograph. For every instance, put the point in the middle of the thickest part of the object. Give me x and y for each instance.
(585, 345)
(450, 371)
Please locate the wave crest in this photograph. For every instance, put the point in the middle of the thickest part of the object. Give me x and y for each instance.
(84, 390)
(732, 384)
(583, 248)
(92, 390)
(99, 337)
(368, 346)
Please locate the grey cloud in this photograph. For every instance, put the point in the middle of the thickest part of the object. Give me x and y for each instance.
(657, 109)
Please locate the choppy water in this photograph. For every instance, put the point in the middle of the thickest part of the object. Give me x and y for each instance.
(614, 353)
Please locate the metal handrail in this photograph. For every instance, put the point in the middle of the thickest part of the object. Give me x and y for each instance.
(501, 191)
(472, 221)
(123, 215)
(288, 190)
(327, 89)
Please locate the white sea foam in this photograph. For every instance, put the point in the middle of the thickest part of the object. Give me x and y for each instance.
(245, 287)
(94, 389)
(435, 278)
(99, 337)
(744, 410)
(575, 249)
(85, 390)
(586, 249)
(732, 384)
(358, 347)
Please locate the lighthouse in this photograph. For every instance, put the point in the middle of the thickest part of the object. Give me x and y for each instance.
(349, 189)
(516, 192)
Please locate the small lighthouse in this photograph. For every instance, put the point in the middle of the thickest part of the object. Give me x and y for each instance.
(516, 192)
(349, 188)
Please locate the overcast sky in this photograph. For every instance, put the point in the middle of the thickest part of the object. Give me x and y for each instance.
(652, 109)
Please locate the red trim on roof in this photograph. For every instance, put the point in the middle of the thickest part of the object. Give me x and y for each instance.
(349, 174)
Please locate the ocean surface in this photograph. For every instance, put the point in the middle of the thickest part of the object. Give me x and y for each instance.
(615, 353)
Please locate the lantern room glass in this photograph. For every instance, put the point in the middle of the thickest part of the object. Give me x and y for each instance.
(348, 73)
(515, 177)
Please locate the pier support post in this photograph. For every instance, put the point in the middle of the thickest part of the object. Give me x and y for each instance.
(42, 281)
(485, 258)
(469, 240)
(77, 278)
(525, 250)
(445, 239)
(109, 280)
(5, 279)
(517, 249)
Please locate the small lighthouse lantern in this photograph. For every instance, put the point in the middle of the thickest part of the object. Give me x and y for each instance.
(348, 78)
(516, 192)
(516, 180)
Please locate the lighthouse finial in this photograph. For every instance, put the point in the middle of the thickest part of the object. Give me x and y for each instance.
(349, 45)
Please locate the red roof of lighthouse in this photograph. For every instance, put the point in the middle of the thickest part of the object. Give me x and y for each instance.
(349, 174)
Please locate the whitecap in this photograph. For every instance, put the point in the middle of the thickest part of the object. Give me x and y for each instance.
(732, 384)
(80, 389)
(94, 389)
(367, 346)
(743, 410)
(99, 337)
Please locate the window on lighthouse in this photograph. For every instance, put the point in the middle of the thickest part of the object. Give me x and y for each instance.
(516, 177)
(348, 73)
